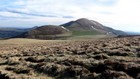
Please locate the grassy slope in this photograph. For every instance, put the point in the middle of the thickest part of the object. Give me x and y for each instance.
(81, 33)
(86, 35)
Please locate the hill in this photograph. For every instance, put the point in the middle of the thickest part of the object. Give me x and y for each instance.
(84, 24)
(81, 27)
(46, 32)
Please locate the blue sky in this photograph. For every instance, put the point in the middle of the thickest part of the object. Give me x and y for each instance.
(118, 14)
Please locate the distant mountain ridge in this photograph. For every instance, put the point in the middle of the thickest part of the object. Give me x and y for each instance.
(133, 33)
(11, 32)
(81, 27)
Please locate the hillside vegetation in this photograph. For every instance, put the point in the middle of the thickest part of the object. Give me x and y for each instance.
(107, 58)
(82, 33)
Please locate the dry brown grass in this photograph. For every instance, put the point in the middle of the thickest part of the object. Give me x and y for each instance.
(70, 59)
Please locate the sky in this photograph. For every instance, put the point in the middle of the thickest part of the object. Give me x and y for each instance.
(118, 14)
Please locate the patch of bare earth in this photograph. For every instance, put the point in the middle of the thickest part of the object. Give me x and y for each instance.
(111, 58)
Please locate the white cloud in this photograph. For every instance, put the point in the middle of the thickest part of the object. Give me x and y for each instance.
(9, 14)
(20, 2)
(125, 15)
(119, 14)
(104, 0)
